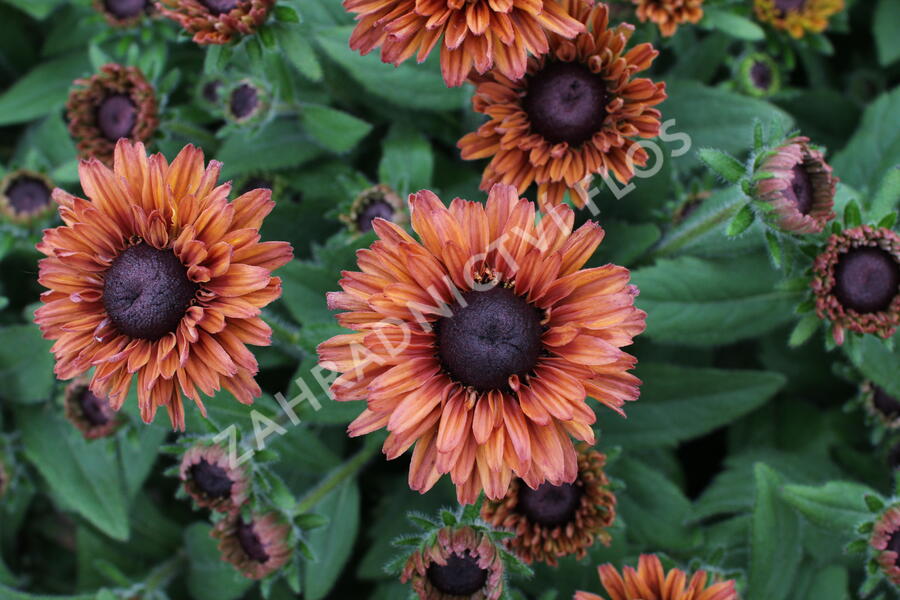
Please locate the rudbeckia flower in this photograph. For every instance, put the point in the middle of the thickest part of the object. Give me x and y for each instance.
(880, 405)
(256, 548)
(885, 541)
(856, 281)
(123, 13)
(209, 478)
(574, 114)
(91, 414)
(797, 17)
(553, 521)
(483, 34)
(758, 75)
(651, 582)
(481, 344)
(157, 275)
(217, 21)
(25, 196)
(378, 202)
(669, 14)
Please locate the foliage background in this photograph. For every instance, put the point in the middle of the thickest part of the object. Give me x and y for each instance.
(720, 461)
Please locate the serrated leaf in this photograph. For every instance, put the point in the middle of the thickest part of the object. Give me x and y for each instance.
(838, 505)
(775, 550)
(299, 51)
(334, 129)
(407, 161)
(41, 90)
(874, 148)
(280, 144)
(723, 164)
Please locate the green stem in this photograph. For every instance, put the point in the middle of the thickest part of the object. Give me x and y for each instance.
(701, 224)
(336, 477)
(285, 335)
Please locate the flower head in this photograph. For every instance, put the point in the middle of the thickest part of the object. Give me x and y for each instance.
(651, 582)
(211, 480)
(158, 275)
(557, 520)
(123, 13)
(245, 102)
(669, 14)
(91, 414)
(885, 541)
(25, 196)
(461, 564)
(574, 114)
(880, 405)
(801, 189)
(483, 34)
(797, 17)
(856, 281)
(480, 344)
(217, 21)
(256, 548)
(117, 102)
(758, 75)
(378, 202)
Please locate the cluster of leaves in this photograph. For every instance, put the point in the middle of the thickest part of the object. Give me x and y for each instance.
(739, 454)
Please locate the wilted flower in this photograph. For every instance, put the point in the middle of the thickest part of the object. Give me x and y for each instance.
(553, 521)
(158, 275)
(256, 549)
(651, 582)
(797, 17)
(217, 21)
(461, 564)
(378, 202)
(25, 196)
(91, 414)
(117, 102)
(245, 102)
(885, 541)
(573, 115)
(480, 344)
(123, 13)
(801, 187)
(856, 280)
(669, 14)
(211, 480)
(758, 75)
(476, 33)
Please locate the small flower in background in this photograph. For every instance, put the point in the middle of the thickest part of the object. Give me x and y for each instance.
(797, 17)
(669, 14)
(460, 563)
(210, 480)
(209, 93)
(856, 282)
(5, 478)
(245, 102)
(158, 275)
(91, 414)
(651, 582)
(256, 548)
(801, 188)
(885, 541)
(574, 114)
(217, 21)
(25, 196)
(123, 13)
(378, 202)
(117, 102)
(478, 33)
(480, 344)
(880, 406)
(553, 521)
(758, 75)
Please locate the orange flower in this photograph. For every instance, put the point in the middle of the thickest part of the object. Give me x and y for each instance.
(669, 14)
(481, 343)
(158, 275)
(258, 547)
(797, 17)
(479, 33)
(573, 115)
(651, 582)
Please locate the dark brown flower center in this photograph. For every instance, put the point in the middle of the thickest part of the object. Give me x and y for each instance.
(95, 409)
(211, 91)
(28, 194)
(117, 116)
(211, 479)
(866, 279)
(789, 5)
(146, 292)
(218, 7)
(800, 192)
(461, 576)
(550, 505)
(244, 101)
(125, 9)
(376, 209)
(566, 102)
(886, 405)
(495, 335)
(893, 545)
(251, 543)
(761, 75)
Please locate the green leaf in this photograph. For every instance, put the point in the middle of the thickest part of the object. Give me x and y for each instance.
(281, 144)
(775, 550)
(878, 363)
(407, 161)
(38, 9)
(732, 24)
(681, 403)
(741, 221)
(875, 147)
(26, 365)
(209, 577)
(884, 28)
(886, 199)
(8, 593)
(804, 329)
(829, 583)
(286, 14)
(838, 505)
(336, 130)
(42, 90)
(852, 215)
(774, 248)
(299, 51)
(137, 454)
(705, 302)
(725, 166)
(332, 545)
(83, 477)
